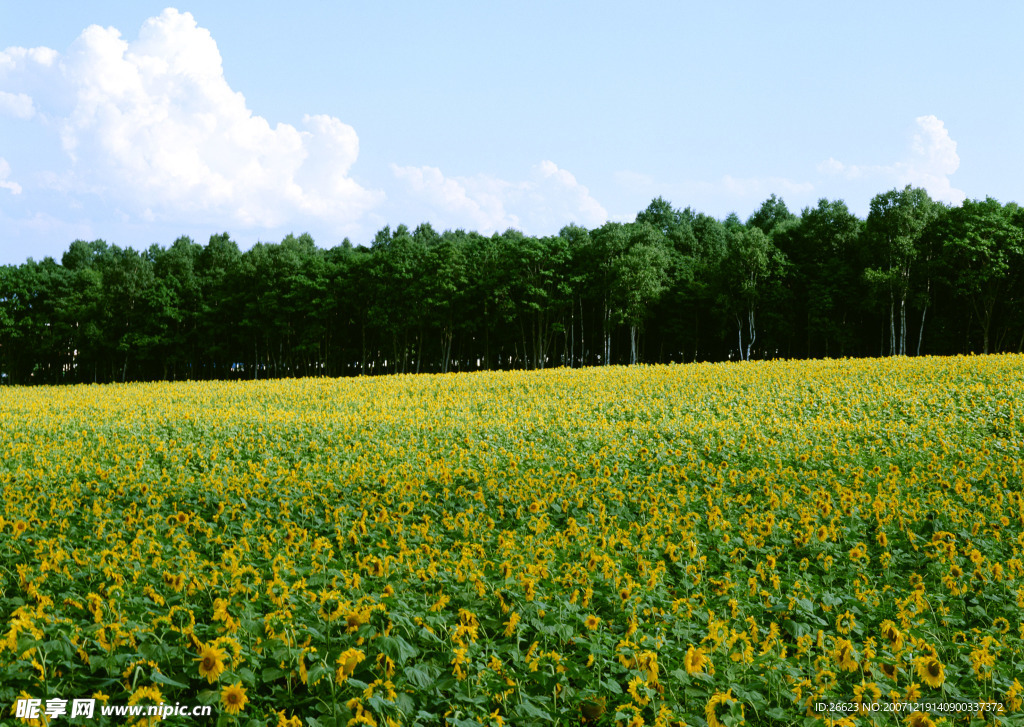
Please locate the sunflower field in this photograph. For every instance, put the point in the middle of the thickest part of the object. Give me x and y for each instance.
(771, 543)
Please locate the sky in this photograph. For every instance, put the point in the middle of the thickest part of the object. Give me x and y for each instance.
(139, 122)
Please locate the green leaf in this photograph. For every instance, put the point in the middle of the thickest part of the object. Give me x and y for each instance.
(397, 648)
(161, 679)
(317, 673)
(420, 678)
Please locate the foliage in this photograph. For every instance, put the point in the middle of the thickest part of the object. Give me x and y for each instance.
(727, 543)
(672, 286)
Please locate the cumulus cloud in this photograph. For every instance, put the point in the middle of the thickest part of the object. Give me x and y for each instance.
(550, 199)
(18, 105)
(5, 171)
(154, 124)
(930, 162)
(11, 58)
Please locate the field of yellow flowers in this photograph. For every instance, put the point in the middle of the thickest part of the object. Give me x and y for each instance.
(702, 544)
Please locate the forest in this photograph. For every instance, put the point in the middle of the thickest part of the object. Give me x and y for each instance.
(916, 277)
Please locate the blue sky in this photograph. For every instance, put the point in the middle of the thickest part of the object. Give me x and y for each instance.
(138, 122)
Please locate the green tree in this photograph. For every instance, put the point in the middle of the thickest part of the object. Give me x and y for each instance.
(984, 250)
(81, 307)
(751, 262)
(179, 315)
(824, 276)
(222, 307)
(895, 225)
(578, 242)
(609, 242)
(771, 216)
(128, 282)
(641, 277)
(535, 291)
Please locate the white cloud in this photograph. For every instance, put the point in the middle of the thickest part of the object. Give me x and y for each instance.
(154, 126)
(5, 170)
(18, 105)
(930, 161)
(550, 199)
(11, 58)
(933, 160)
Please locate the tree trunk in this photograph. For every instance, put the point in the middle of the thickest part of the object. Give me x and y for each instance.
(739, 334)
(920, 332)
(752, 331)
(903, 326)
(583, 340)
(607, 336)
(892, 324)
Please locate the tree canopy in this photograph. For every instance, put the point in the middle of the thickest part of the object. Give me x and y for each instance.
(672, 286)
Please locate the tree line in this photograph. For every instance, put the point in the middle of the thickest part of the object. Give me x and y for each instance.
(915, 277)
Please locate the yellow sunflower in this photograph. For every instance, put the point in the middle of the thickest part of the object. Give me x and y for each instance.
(1013, 696)
(233, 698)
(694, 661)
(892, 635)
(592, 709)
(845, 623)
(919, 719)
(845, 656)
(211, 662)
(930, 670)
(592, 622)
(712, 711)
(347, 663)
(284, 721)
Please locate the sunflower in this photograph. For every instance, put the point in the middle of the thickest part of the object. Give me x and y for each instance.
(845, 623)
(919, 719)
(347, 663)
(20, 526)
(285, 721)
(694, 661)
(592, 622)
(211, 662)
(151, 693)
(592, 709)
(930, 670)
(867, 693)
(511, 624)
(844, 655)
(892, 634)
(826, 679)
(1013, 696)
(740, 648)
(233, 698)
(711, 711)
(331, 605)
(633, 689)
